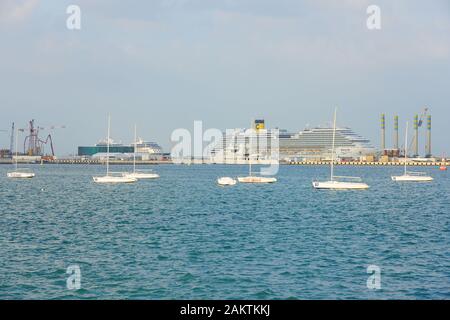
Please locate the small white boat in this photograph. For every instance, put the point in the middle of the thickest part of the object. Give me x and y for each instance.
(112, 177)
(349, 183)
(411, 176)
(256, 179)
(139, 174)
(22, 173)
(226, 181)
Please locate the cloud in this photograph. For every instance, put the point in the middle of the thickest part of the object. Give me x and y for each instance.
(16, 11)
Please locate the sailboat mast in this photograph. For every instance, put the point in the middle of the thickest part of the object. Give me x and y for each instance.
(17, 146)
(135, 145)
(406, 144)
(107, 145)
(332, 147)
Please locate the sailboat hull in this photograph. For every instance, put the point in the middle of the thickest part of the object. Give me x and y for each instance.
(411, 178)
(340, 185)
(142, 175)
(253, 179)
(20, 175)
(112, 179)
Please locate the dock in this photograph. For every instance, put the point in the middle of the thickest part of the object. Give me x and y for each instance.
(370, 164)
(297, 163)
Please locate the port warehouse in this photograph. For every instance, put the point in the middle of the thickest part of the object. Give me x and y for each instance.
(142, 150)
(90, 151)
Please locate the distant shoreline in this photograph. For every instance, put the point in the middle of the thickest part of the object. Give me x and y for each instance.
(293, 163)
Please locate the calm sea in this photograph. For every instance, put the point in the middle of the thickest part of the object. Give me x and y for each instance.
(183, 237)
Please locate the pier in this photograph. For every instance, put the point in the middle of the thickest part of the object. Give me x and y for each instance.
(298, 163)
(371, 164)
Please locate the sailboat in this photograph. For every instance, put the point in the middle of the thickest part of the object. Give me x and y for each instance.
(334, 183)
(112, 177)
(141, 174)
(410, 176)
(23, 173)
(255, 179)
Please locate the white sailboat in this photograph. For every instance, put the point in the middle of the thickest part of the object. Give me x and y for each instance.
(255, 179)
(141, 174)
(112, 177)
(411, 176)
(23, 173)
(334, 182)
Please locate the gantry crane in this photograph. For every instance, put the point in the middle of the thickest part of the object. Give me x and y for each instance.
(33, 145)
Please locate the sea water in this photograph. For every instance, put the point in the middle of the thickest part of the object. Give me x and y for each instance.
(183, 237)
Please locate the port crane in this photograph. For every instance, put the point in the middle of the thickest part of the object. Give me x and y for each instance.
(33, 145)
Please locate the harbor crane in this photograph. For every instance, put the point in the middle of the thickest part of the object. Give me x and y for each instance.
(33, 145)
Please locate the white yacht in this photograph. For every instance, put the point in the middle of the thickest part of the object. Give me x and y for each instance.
(339, 182)
(112, 177)
(411, 176)
(139, 174)
(23, 173)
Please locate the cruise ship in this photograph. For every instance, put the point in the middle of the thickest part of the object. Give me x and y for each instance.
(310, 144)
(145, 150)
(315, 144)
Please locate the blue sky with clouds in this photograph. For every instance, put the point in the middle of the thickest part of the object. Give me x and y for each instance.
(164, 63)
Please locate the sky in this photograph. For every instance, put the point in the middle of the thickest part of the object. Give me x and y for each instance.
(161, 64)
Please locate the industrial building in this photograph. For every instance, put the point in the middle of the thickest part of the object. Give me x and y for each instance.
(413, 148)
(145, 150)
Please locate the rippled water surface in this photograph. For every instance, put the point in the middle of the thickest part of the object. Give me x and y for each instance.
(183, 237)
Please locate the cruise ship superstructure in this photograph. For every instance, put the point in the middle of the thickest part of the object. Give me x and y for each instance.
(310, 144)
(315, 144)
